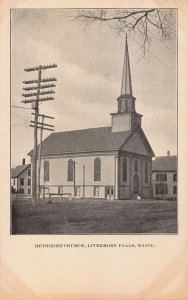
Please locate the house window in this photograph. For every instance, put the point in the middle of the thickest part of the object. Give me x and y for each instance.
(161, 177)
(124, 169)
(29, 191)
(46, 170)
(97, 169)
(21, 181)
(29, 172)
(96, 191)
(77, 191)
(21, 191)
(136, 166)
(161, 189)
(175, 190)
(60, 189)
(14, 181)
(29, 181)
(70, 170)
(146, 172)
(175, 177)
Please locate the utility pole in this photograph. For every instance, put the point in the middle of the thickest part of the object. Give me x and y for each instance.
(83, 181)
(40, 125)
(74, 178)
(40, 90)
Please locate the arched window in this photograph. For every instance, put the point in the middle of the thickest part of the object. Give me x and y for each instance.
(70, 170)
(97, 169)
(146, 172)
(46, 171)
(124, 169)
(136, 166)
(135, 184)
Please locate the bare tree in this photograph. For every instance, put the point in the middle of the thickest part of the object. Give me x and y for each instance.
(144, 22)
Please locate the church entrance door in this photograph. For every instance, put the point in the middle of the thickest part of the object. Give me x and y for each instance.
(109, 192)
(135, 184)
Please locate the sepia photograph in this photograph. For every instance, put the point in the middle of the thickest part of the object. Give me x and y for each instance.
(93, 121)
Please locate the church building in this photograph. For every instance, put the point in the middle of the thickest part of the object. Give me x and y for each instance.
(112, 162)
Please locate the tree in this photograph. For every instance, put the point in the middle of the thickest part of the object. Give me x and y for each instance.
(144, 22)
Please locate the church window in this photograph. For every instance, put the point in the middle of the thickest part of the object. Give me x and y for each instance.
(161, 189)
(96, 191)
(70, 170)
(146, 172)
(136, 166)
(21, 181)
(77, 192)
(124, 169)
(46, 170)
(97, 169)
(119, 105)
(60, 189)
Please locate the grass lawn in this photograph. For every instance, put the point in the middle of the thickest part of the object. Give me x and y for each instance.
(94, 216)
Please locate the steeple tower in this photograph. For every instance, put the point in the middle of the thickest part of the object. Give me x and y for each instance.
(126, 84)
(126, 117)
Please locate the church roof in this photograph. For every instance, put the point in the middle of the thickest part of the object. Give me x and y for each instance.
(18, 170)
(126, 85)
(164, 164)
(84, 140)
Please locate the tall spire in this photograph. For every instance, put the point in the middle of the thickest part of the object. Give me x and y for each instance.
(126, 118)
(126, 85)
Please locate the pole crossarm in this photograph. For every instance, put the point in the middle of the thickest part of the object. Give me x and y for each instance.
(42, 128)
(44, 116)
(40, 67)
(45, 86)
(37, 100)
(38, 93)
(39, 123)
(41, 80)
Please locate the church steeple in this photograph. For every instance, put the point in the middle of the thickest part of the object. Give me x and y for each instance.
(126, 101)
(126, 117)
(126, 84)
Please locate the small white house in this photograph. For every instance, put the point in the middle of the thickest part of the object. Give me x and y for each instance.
(164, 177)
(21, 179)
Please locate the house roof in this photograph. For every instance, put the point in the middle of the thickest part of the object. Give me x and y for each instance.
(18, 170)
(164, 163)
(82, 141)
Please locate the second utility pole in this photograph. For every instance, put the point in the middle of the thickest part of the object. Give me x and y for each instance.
(34, 164)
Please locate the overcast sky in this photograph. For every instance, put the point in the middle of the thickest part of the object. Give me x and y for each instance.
(89, 75)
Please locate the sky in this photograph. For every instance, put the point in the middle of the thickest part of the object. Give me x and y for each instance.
(89, 72)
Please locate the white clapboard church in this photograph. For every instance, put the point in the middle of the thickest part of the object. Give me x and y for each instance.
(105, 162)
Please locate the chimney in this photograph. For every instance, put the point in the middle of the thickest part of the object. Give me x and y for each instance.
(168, 153)
(23, 161)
